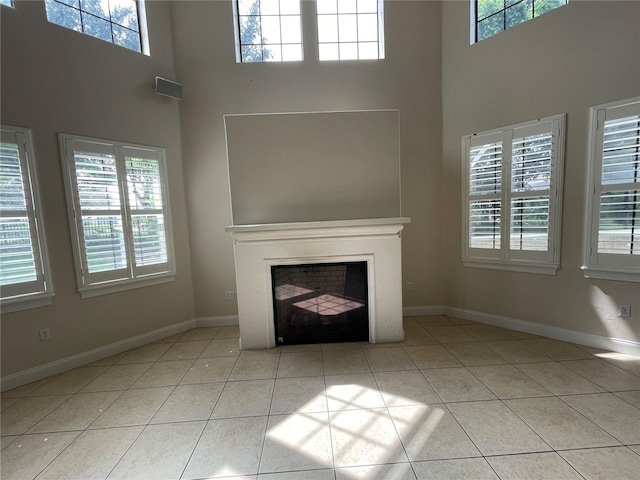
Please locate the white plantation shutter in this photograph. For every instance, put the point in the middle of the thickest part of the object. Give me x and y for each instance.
(535, 159)
(144, 186)
(512, 202)
(614, 222)
(118, 210)
(98, 191)
(485, 194)
(23, 266)
(619, 226)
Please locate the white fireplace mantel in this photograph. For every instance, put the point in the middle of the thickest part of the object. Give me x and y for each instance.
(259, 247)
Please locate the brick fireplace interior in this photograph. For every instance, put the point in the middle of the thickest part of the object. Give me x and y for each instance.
(320, 303)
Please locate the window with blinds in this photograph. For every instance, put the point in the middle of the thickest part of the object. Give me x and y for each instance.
(512, 207)
(24, 268)
(613, 237)
(117, 200)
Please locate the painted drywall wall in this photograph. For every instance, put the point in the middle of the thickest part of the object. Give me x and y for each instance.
(57, 80)
(408, 79)
(580, 55)
(338, 166)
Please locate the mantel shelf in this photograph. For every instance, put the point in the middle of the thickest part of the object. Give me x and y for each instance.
(363, 222)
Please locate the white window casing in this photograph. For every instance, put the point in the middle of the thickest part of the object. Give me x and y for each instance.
(512, 197)
(25, 280)
(612, 236)
(117, 198)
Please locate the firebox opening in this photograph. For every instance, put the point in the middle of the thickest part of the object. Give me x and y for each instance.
(320, 303)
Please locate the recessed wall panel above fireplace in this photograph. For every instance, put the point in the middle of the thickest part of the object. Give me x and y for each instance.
(306, 167)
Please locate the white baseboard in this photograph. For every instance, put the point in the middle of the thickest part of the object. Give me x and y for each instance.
(53, 368)
(606, 343)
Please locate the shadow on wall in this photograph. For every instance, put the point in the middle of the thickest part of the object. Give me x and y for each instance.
(606, 308)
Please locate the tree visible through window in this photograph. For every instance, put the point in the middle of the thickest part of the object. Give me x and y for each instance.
(114, 21)
(495, 16)
(268, 30)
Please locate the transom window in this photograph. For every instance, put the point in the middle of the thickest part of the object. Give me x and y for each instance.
(613, 223)
(121, 22)
(24, 271)
(513, 197)
(118, 211)
(495, 16)
(350, 29)
(268, 30)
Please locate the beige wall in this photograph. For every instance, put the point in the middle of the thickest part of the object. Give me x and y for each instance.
(214, 85)
(56, 80)
(583, 54)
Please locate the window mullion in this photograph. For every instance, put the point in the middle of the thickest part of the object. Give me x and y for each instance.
(505, 211)
(125, 210)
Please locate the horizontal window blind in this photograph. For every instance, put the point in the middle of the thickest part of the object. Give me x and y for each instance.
(485, 187)
(531, 168)
(99, 197)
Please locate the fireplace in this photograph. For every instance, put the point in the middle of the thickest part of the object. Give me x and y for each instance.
(320, 303)
(373, 243)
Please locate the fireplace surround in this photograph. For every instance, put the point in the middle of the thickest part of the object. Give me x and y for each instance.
(375, 241)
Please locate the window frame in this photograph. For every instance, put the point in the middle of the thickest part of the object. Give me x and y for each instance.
(380, 33)
(38, 293)
(111, 281)
(606, 266)
(141, 17)
(475, 22)
(545, 262)
(238, 38)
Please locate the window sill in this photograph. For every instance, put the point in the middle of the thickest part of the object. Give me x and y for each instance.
(123, 285)
(611, 273)
(511, 265)
(26, 302)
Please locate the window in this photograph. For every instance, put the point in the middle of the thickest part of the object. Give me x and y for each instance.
(494, 16)
(613, 204)
(268, 30)
(119, 214)
(121, 22)
(512, 197)
(350, 29)
(24, 269)
(7, 3)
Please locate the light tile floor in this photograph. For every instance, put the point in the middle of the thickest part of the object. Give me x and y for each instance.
(456, 399)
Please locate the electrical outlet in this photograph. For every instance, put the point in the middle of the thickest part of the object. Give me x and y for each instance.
(410, 286)
(45, 334)
(624, 310)
(229, 295)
